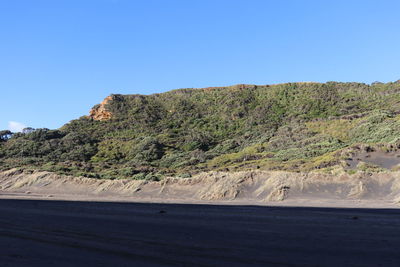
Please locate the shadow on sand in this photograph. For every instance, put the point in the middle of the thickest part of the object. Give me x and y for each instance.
(73, 233)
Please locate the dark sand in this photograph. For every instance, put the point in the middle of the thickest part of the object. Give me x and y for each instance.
(68, 233)
(386, 160)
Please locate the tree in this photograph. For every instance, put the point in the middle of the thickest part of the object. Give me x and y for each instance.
(28, 130)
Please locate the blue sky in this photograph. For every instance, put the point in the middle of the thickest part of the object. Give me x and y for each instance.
(59, 58)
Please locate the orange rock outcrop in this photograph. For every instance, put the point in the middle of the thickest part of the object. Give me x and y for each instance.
(99, 112)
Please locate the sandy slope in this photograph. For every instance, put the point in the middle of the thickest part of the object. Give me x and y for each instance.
(255, 187)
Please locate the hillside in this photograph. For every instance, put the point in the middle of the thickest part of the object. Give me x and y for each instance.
(293, 127)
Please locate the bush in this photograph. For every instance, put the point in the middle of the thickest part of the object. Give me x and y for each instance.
(293, 126)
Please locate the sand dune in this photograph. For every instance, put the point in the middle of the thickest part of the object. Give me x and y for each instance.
(255, 187)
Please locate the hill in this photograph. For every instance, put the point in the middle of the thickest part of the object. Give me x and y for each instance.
(293, 127)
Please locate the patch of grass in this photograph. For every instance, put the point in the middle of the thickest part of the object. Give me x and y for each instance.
(336, 128)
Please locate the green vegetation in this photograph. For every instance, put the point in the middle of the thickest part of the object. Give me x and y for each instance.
(293, 126)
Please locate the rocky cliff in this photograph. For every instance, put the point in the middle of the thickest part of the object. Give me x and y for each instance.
(100, 112)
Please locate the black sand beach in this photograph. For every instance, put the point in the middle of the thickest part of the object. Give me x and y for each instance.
(68, 233)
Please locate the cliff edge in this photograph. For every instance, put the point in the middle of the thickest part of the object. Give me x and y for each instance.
(100, 112)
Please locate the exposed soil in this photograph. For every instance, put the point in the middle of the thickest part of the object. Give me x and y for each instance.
(386, 160)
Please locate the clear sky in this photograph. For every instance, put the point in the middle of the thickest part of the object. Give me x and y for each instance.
(59, 58)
